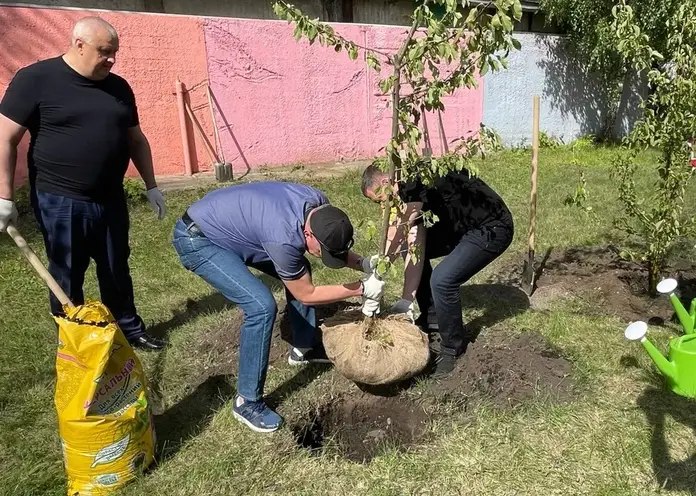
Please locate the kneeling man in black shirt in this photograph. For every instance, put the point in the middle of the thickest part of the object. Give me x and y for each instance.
(474, 228)
(84, 130)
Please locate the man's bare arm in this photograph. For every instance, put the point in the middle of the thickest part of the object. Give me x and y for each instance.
(141, 155)
(413, 270)
(308, 294)
(11, 134)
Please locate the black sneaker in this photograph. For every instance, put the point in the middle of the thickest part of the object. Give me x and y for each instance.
(444, 365)
(315, 355)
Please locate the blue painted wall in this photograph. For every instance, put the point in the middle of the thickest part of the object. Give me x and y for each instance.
(572, 101)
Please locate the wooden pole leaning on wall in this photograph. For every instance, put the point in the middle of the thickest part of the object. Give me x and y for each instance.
(528, 282)
(185, 142)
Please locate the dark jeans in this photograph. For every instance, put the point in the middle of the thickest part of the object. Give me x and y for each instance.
(75, 231)
(225, 271)
(438, 294)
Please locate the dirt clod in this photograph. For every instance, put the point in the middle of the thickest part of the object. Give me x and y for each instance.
(614, 286)
(507, 371)
(361, 427)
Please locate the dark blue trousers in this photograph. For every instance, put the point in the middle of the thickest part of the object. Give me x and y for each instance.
(76, 231)
(438, 296)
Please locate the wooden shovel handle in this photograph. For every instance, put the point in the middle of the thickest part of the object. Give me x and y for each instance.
(38, 266)
(535, 164)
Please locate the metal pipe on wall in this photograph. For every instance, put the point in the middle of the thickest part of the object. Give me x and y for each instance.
(185, 143)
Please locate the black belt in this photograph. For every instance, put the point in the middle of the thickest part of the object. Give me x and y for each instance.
(191, 225)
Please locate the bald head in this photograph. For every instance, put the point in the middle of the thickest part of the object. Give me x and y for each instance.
(93, 48)
(90, 29)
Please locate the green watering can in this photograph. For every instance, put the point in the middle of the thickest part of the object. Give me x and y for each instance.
(687, 319)
(680, 368)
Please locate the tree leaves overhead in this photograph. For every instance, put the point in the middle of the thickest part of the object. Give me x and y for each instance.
(449, 44)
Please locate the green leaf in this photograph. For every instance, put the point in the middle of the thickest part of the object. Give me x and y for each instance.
(507, 24)
(373, 63)
(516, 43)
(385, 85)
(484, 68)
(352, 52)
(472, 16)
(311, 33)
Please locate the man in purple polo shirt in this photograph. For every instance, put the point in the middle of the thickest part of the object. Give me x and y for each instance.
(270, 226)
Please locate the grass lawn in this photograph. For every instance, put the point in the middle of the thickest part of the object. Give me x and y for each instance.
(616, 432)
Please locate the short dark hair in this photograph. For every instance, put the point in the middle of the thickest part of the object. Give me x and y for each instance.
(371, 175)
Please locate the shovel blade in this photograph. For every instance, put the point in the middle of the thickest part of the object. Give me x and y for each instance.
(527, 282)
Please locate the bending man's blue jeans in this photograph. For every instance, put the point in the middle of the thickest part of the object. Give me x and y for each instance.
(225, 271)
(75, 231)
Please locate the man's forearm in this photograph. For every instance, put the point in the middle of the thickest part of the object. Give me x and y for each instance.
(323, 295)
(142, 159)
(354, 261)
(414, 270)
(8, 164)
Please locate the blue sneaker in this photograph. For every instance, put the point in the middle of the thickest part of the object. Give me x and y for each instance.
(256, 415)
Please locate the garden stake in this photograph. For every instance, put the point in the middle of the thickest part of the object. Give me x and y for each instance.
(528, 271)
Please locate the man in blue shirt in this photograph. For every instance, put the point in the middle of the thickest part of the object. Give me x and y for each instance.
(269, 226)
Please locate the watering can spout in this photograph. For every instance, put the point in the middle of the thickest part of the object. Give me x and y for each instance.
(686, 319)
(636, 332)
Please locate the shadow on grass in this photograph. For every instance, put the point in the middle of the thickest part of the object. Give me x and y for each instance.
(658, 403)
(500, 301)
(191, 415)
(212, 303)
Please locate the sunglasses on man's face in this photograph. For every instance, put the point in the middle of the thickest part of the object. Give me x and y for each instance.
(335, 253)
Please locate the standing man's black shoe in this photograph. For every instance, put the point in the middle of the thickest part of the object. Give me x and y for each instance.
(147, 343)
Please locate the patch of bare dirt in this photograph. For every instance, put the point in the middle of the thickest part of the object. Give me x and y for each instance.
(620, 287)
(507, 371)
(218, 347)
(362, 426)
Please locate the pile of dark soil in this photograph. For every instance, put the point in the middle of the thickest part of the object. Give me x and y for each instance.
(507, 371)
(499, 369)
(620, 287)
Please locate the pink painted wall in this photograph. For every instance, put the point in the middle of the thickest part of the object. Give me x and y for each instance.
(283, 101)
(155, 49)
(277, 101)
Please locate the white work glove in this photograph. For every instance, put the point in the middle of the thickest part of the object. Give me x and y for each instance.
(8, 213)
(403, 307)
(373, 287)
(154, 196)
(370, 307)
(369, 264)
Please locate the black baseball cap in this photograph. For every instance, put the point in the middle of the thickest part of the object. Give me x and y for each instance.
(332, 228)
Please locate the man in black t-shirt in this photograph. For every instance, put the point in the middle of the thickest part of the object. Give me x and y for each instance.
(84, 129)
(474, 228)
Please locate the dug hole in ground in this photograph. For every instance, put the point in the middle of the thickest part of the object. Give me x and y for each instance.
(358, 422)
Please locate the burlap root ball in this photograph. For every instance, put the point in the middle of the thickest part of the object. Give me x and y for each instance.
(391, 350)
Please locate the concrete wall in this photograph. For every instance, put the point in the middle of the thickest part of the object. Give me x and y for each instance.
(278, 101)
(571, 104)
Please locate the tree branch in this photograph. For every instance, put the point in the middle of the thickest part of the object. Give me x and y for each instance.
(394, 158)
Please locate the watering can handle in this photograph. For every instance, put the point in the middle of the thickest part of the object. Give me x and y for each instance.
(38, 266)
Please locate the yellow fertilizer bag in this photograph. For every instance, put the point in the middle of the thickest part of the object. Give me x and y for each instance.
(104, 418)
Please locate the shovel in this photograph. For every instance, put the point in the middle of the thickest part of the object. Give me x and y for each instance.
(528, 281)
(38, 266)
(104, 417)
